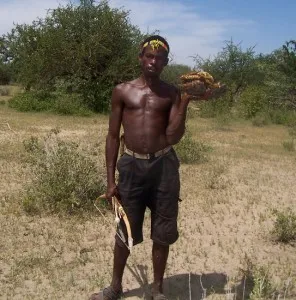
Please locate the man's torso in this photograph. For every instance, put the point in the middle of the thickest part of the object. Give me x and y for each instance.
(146, 115)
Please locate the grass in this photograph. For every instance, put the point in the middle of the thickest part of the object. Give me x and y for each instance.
(285, 226)
(224, 214)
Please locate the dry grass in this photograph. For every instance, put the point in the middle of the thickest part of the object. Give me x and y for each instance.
(226, 214)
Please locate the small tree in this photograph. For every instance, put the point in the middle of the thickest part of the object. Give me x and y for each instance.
(85, 48)
(172, 73)
(234, 67)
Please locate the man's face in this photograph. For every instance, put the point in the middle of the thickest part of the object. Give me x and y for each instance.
(153, 61)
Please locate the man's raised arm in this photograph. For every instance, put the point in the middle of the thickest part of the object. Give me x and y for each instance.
(113, 140)
(177, 118)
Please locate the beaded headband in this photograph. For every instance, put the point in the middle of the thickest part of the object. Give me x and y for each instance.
(155, 45)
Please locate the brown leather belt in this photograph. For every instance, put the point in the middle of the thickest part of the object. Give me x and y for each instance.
(148, 155)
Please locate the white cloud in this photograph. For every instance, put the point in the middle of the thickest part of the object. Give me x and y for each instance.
(23, 11)
(186, 31)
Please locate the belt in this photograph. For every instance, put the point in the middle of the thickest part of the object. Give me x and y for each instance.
(148, 155)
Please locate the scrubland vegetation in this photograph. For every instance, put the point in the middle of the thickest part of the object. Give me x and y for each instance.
(238, 165)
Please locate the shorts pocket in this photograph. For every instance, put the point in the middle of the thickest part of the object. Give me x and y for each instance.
(124, 161)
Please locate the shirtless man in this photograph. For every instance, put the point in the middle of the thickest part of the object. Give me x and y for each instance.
(153, 118)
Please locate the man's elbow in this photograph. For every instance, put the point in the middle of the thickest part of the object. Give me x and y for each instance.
(174, 139)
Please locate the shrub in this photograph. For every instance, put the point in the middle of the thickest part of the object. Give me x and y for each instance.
(65, 179)
(285, 226)
(190, 151)
(252, 101)
(216, 107)
(61, 103)
(283, 116)
(70, 104)
(257, 282)
(32, 101)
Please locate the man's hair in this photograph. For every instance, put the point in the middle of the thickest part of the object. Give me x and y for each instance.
(151, 38)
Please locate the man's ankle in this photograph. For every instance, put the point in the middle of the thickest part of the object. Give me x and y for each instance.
(117, 287)
(157, 287)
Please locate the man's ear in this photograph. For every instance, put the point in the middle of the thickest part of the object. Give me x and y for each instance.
(166, 61)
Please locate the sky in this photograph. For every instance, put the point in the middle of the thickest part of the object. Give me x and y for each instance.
(192, 27)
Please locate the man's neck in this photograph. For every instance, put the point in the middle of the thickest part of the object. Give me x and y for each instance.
(150, 81)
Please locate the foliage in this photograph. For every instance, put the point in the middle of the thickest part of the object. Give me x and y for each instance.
(216, 107)
(285, 226)
(65, 179)
(32, 101)
(88, 47)
(252, 101)
(234, 67)
(257, 282)
(288, 66)
(5, 74)
(172, 73)
(282, 116)
(60, 103)
(190, 151)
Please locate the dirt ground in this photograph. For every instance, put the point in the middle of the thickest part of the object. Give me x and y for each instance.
(225, 217)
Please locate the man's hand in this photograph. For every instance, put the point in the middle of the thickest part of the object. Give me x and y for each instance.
(111, 192)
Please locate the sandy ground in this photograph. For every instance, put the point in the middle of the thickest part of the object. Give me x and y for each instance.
(225, 217)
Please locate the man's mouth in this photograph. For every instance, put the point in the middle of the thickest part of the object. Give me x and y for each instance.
(151, 69)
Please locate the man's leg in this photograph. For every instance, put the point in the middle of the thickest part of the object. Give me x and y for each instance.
(159, 256)
(121, 253)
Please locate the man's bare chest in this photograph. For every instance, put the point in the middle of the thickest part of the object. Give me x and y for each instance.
(148, 101)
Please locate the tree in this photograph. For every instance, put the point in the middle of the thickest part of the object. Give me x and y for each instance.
(234, 67)
(172, 73)
(85, 49)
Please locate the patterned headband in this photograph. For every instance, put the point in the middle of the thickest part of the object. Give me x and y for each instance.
(155, 44)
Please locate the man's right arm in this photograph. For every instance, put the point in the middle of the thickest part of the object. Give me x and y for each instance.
(113, 140)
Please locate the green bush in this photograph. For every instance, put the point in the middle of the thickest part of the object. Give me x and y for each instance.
(190, 151)
(65, 180)
(61, 103)
(283, 116)
(252, 101)
(32, 101)
(70, 104)
(87, 46)
(257, 282)
(285, 226)
(214, 108)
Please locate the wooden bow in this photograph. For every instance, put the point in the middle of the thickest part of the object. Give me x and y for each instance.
(120, 213)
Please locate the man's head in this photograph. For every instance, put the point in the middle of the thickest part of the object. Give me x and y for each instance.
(154, 55)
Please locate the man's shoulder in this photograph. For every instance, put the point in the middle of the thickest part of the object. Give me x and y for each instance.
(170, 87)
(126, 85)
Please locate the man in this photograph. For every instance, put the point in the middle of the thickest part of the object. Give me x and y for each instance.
(153, 118)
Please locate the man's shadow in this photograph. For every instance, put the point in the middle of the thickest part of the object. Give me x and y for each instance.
(188, 286)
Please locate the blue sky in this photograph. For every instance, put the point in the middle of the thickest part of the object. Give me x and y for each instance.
(190, 26)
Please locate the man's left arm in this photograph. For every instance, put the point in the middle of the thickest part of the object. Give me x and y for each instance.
(177, 118)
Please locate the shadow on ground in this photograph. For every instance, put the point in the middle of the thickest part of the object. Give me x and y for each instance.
(183, 286)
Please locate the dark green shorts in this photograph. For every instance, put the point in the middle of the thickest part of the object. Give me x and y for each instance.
(153, 183)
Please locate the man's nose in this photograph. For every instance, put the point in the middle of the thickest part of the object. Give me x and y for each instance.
(153, 61)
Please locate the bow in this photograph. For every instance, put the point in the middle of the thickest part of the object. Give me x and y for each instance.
(120, 214)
